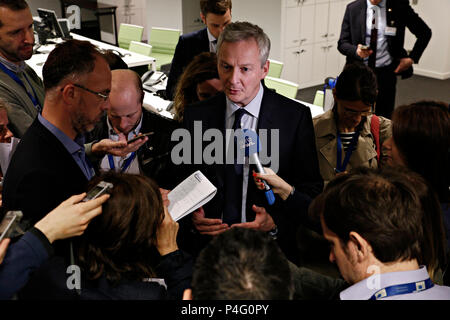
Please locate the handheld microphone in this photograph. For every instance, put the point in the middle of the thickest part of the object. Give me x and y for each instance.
(251, 151)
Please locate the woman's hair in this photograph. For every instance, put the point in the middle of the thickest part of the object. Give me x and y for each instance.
(357, 82)
(203, 67)
(421, 133)
(120, 243)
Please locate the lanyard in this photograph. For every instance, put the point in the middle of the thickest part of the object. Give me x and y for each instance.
(20, 83)
(403, 289)
(126, 164)
(341, 167)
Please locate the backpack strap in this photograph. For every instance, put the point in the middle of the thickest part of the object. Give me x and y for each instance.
(375, 130)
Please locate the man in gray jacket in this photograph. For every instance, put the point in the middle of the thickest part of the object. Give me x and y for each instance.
(20, 86)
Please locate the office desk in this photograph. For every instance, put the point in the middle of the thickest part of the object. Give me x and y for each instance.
(100, 9)
(132, 59)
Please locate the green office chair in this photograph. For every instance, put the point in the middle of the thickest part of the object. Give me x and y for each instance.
(318, 98)
(128, 33)
(163, 42)
(284, 87)
(141, 48)
(275, 68)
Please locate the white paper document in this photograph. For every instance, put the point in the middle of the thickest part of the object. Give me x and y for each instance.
(195, 191)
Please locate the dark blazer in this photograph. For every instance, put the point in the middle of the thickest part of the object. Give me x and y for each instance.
(298, 163)
(399, 14)
(154, 155)
(41, 175)
(189, 45)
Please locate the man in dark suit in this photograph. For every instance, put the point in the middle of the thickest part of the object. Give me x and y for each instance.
(215, 14)
(373, 31)
(125, 119)
(243, 51)
(49, 165)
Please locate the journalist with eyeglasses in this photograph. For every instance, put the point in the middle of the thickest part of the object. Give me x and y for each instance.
(347, 136)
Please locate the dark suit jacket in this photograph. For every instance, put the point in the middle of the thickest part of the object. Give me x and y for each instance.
(189, 45)
(41, 175)
(399, 14)
(298, 163)
(154, 155)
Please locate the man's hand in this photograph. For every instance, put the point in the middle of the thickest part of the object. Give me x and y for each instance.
(263, 221)
(117, 148)
(207, 226)
(363, 53)
(3, 248)
(404, 64)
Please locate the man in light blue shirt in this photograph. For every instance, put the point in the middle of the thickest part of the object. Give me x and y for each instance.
(373, 222)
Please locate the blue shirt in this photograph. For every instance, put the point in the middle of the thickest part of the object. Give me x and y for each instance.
(74, 147)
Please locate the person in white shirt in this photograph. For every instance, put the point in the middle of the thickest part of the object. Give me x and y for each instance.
(373, 222)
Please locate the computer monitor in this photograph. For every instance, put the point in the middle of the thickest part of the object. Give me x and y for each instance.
(65, 28)
(50, 23)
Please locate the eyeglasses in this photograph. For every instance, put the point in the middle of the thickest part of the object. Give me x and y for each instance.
(351, 112)
(101, 95)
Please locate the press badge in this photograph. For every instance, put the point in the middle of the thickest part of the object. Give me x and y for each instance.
(390, 31)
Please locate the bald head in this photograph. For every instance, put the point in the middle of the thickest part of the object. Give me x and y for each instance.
(126, 100)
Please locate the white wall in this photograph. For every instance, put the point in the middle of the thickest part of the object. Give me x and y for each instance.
(267, 15)
(164, 13)
(435, 61)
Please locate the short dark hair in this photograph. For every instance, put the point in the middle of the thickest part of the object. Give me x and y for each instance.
(242, 264)
(357, 82)
(421, 132)
(72, 57)
(382, 206)
(121, 242)
(114, 60)
(219, 7)
(14, 5)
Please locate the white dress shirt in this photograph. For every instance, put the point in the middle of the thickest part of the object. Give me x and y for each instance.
(383, 57)
(249, 120)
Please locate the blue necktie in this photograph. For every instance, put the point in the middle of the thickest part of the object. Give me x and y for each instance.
(233, 180)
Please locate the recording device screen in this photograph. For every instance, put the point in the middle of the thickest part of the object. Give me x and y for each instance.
(50, 22)
(6, 224)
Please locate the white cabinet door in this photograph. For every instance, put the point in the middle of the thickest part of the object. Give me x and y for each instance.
(333, 60)
(321, 22)
(305, 68)
(292, 28)
(292, 3)
(335, 17)
(291, 59)
(306, 24)
(319, 62)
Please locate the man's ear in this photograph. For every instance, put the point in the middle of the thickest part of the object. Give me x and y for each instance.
(203, 17)
(68, 94)
(359, 246)
(187, 294)
(265, 68)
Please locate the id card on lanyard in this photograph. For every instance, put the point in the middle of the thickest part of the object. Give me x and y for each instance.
(33, 97)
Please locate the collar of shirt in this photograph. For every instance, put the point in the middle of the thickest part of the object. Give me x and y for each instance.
(12, 66)
(252, 109)
(382, 4)
(212, 42)
(366, 288)
(73, 146)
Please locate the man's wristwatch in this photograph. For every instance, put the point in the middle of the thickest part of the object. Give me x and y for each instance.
(273, 233)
